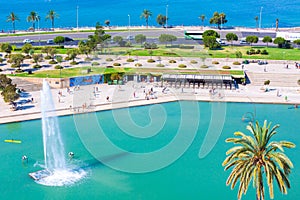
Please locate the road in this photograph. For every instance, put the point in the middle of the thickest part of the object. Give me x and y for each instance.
(152, 37)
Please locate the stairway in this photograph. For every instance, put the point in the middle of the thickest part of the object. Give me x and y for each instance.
(26, 85)
(276, 79)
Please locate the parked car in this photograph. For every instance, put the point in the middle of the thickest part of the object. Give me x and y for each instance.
(50, 41)
(27, 41)
(221, 42)
(130, 37)
(243, 42)
(68, 39)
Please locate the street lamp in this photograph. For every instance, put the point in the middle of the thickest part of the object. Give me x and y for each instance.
(129, 26)
(77, 7)
(260, 17)
(167, 16)
(38, 21)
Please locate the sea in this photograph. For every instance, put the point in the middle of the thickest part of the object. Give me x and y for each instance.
(240, 13)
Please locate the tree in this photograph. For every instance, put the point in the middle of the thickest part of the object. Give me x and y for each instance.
(251, 39)
(267, 39)
(146, 14)
(9, 93)
(37, 58)
(165, 38)
(256, 18)
(99, 38)
(33, 17)
(202, 17)
(107, 22)
(211, 33)
(161, 20)
(4, 81)
(297, 42)
(51, 16)
(84, 48)
(277, 23)
(140, 38)
(211, 42)
(59, 40)
(16, 60)
(257, 156)
(72, 54)
(279, 41)
(12, 17)
(119, 40)
(6, 47)
(230, 37)
(26, 48)
(218, 19)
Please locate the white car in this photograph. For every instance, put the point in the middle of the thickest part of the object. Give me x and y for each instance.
(26, 41)
(50, 41)
(243, 42)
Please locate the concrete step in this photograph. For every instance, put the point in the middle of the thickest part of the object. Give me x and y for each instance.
(26, 85)
(276, 79)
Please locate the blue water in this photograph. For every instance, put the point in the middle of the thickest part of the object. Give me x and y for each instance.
(188, 177)
(239, 13)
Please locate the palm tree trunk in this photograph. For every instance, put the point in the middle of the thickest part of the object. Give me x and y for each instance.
(53, 24)
(14, 28)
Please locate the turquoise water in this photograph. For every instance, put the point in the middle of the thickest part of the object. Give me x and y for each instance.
(188, 177)
(239, 13)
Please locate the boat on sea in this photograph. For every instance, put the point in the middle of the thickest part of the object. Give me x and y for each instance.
(13, 141)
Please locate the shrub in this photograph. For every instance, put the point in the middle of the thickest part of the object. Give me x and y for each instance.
(204, 66)
(172, 61)
(215, 62)
(117, 64)
(27, 57)
(73, 63)
(130, 60)
(160, 65)
(1, 70)
(58, 67)
(257, 51)
(9, 61)
(226, 67)
(182, 66)
(236, 63)
(109, 59)
(52, 62)
(185, 46)
(95, 64)
(264, 52)
(18, 70)
(48, 57)
(36, 66)
(170, 54)
(67, 58)
(138, 64)
(150, 61)
(267, 82)
(194, 62)
(88, 59)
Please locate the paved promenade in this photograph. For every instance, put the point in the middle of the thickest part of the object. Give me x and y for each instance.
(103, 97)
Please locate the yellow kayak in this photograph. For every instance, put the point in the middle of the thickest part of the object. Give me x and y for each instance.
(13, 141)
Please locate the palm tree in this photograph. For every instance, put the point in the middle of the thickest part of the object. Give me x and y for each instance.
(202, 17)
(33, 17)
(146, 14)
(256, 20)
(12, 17)
(52, 15)
(256, 156)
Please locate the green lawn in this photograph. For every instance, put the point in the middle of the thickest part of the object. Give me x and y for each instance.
(225, 52)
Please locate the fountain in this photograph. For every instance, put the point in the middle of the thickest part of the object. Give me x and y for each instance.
(56, 170)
